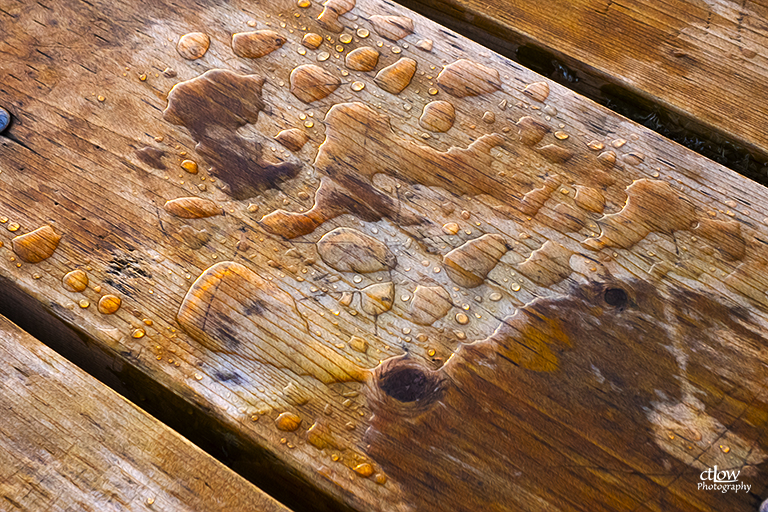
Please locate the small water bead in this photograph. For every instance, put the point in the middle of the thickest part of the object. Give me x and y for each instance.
(84, 303)
(357, 86)
(432, 91)
(358, 279)
(462, 319)
(515, 287)
(345, 38)
(304, 3)
(308, 123)
(302, 51)
(561, 135)
(362, 32)
(323, 56)
(395, 49)
(13, 226)
(339, 48)
(138, 333)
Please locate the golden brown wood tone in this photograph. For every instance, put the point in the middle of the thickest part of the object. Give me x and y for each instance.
(538, 305)
(70, 443)
(704, 59)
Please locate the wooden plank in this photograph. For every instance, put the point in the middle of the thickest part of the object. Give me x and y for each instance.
(544, 307)
(70, 443)
(703, 60)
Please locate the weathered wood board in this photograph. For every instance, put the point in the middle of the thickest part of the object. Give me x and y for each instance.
(511, 299)
(703, 59)
(70, 443)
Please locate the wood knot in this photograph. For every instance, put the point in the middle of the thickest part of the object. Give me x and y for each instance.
(402, 385)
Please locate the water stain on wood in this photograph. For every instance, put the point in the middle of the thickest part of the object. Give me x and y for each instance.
(603, 360)
(231, 310)
(212, 107)
(652, 205)
(355, 134)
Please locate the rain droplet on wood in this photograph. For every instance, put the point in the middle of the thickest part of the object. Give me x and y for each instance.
(257, 44)
(364, 58)
(438, 116)
(469, 264)
(292, 138)
(538, 91)
(396, 77)
(468, 78)
(193, 45)
(312, 40)
(350, 250)
(378, 298)
(311, 83)
(75, 281)
(392, 27)
(429, 304)
(37, 245)
(192, 208)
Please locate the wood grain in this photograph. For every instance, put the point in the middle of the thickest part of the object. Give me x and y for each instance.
(703, 60)
(544, 307)
(71, 443)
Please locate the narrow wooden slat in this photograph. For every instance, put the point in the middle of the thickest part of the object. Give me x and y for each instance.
(703, 60)
(514, 299)
(67, 442)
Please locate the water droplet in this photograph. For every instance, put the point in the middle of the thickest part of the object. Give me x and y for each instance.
(101, 98)
(312, 40)
(189, 166)
(304, 3)
(462, 319)
(191, 46)
(345, 38)
(288, 421)
(150, 501)
(357, 86)
(561, 135)
(108, 304)
(84, 303)
(396, 50)
(515, 287)
(495, 296)
(75, 281)
(362, 32)
(364, 470)
(618, 143)
(357, 279)
(13, 226)
(323, 56)
(138, 333)
(308, 123)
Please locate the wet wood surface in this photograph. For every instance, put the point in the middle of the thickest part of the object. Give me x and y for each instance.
(417, 274)
(70, 443)
(704, 59)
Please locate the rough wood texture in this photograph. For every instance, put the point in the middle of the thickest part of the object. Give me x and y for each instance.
(70, 443)
(704, 59)
(543, 307)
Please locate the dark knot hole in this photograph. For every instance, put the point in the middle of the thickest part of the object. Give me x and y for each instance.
(616, 297)
(406, 384)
